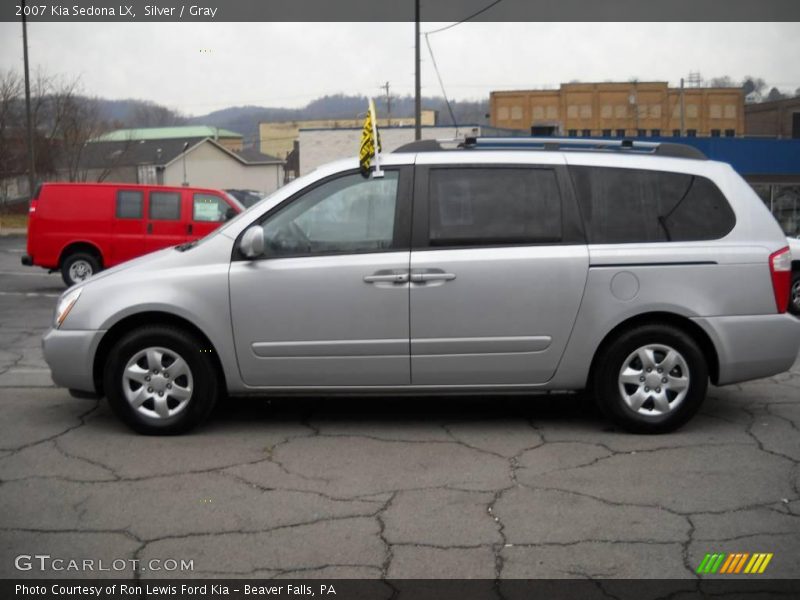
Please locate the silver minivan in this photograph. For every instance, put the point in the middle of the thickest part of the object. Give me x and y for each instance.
(636, 271)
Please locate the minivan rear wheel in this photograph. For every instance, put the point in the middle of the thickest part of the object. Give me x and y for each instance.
(651, 379)
(794, 298)
(79, 267)
(161, 380)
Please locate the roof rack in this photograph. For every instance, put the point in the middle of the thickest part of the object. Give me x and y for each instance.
(562, 144)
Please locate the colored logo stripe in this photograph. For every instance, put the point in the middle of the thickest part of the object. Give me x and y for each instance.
(728, 564)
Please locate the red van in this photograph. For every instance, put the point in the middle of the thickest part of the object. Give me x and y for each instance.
(82, 228)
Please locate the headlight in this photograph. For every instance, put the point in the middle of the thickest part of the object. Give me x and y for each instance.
(65, 305)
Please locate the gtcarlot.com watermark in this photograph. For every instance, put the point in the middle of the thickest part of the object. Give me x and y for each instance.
(48, 563)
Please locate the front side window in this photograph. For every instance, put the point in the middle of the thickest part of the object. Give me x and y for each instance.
(209, 208)
(478, 206)
(165, 206)
(632, 205)
(349, 214)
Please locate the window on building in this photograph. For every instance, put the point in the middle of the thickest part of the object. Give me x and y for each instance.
(586, 133)
(572, 111)
(691, 133)
(493, 206)
(715, 111)
(129, 204)
(538, 112)
(516, 113)
(691, 111)
(676, 133)
(641, 132)
(586, 111)
(606, 111)
(572, 133)
(620, 111)
(620, 133)
(633, 205)
(606, 133)
(715, 132)
(655, 132)
(730, 111)
(502, 113)
(165, 206)
(655, 111)
(552, 112)
(730, 133)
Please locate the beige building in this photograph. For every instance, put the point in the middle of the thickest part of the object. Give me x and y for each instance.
(277, 138)
(320, 146)
(620, 109)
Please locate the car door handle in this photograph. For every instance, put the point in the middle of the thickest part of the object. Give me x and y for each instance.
(432, 276)
(380, 277)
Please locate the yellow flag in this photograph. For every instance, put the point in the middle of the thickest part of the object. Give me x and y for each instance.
(370, 141)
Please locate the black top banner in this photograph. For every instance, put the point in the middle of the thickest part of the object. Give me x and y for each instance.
(143, 11)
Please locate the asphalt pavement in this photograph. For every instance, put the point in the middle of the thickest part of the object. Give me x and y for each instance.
(477, 487)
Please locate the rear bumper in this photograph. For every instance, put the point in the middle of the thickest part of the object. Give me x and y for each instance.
(26, 260)
(70, 356)
(751, 347)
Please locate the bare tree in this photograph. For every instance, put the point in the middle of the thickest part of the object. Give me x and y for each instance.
(753, 84)
(724, 81)
(150, 114)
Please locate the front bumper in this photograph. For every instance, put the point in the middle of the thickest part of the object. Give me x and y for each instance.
(753, 346)
(70, 356)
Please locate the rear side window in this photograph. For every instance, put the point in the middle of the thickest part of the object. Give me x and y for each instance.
(633, 205)
(165, 206)
(478, 206)
(129, 204)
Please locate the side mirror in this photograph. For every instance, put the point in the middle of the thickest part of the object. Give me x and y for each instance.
(229, 214)
(252, 244)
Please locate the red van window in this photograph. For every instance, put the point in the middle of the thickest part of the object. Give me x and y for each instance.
(208, 207)
(129, 204)
(165, 206)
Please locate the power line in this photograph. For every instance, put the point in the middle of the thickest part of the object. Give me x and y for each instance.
(472, 16)
(441, 83)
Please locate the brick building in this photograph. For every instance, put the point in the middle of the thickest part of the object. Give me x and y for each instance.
(620, 109)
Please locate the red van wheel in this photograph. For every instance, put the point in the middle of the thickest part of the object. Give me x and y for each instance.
(79, 267)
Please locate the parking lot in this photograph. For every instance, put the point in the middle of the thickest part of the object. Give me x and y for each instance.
(474, 487)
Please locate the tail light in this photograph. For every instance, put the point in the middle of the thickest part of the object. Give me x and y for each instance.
(780, 268)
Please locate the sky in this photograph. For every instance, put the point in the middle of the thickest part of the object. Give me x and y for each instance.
(197, 68)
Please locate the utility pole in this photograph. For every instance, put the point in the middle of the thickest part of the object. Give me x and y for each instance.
(28, 117)
(385, 87)
(417, 84)
(683, 120)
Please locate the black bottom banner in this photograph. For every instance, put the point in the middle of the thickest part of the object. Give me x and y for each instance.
(401, 589)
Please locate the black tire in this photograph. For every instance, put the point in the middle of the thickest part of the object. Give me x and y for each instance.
(202, 381)
(78, 267)
(794, 294)
(651, 417)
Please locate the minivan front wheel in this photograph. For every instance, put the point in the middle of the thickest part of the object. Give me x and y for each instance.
(78, 267)
(651, 379)
(161, 380)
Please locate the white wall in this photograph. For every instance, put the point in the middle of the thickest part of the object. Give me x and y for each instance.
(320, 146)
(208, 166)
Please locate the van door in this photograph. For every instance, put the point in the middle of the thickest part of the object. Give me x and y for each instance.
(498, 269)
(327, 303)
(208, 211)
(165, 226)
(128, 227)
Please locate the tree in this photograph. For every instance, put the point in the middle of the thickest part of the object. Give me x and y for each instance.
(753, 84)
(775, 94)
(64, 120)
(724, 81)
